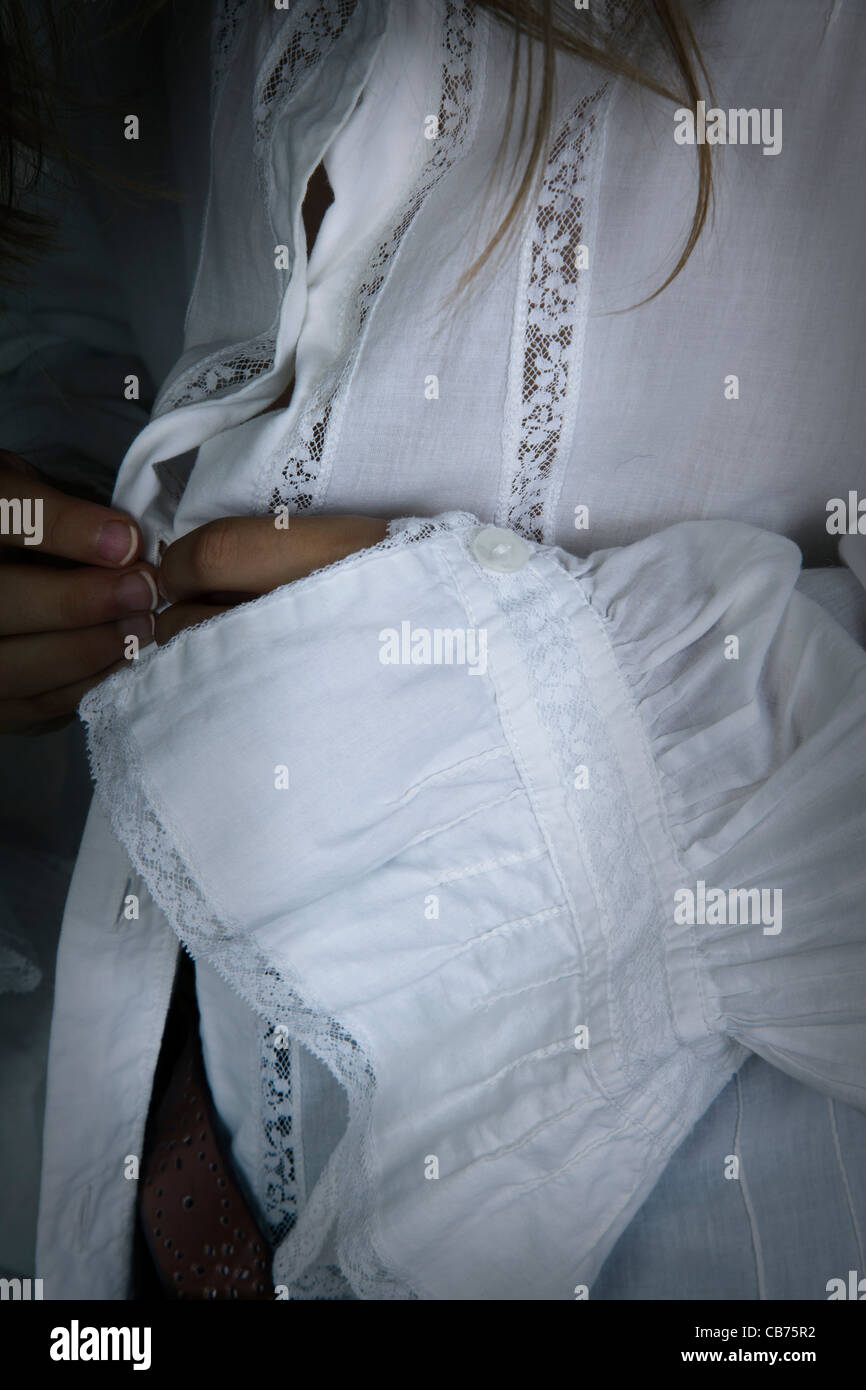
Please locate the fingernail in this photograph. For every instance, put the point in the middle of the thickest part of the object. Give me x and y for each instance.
(142, 626)
(137, 590)
(117, 542)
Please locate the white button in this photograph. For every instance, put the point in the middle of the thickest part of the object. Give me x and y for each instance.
(500, 550)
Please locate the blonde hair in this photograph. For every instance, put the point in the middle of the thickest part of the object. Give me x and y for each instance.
(35, 102)
(662, 23)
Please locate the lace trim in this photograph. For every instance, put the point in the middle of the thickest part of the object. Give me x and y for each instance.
(642, 1037)
(224, 35)
(315, 29)
(281, 1161)
(549, 347)
(217, 374)
(407, 529)
(279, 1190)
(272, 995)
(548, 351)
(301, 472)
(157, 855)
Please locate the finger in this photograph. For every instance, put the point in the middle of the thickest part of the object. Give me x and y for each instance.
(37, 663)
(35, 599)
(173, 620)
(252, 554)
(52, 709)
(18, 464)
(38, 517)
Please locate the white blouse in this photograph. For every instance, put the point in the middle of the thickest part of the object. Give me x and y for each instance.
(479, 940)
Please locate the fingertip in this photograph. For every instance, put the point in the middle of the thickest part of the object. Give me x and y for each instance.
(117, 542)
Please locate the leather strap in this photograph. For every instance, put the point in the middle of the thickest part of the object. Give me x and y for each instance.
(202, 1237)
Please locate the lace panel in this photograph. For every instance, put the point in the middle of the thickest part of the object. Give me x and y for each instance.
(278, 1167)
(269, 993)
(301, 472)
(605, 827)
(559, 228)
(227, 19)
(407, 529)
(274, 999)
(314, 32)
(539, 388)
(217, 375)
(315, 28)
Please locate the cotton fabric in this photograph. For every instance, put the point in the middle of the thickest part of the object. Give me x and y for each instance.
(701, 761)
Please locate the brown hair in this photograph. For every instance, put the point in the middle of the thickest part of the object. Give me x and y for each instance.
(663, 23)
(37, 107)
(35, 103)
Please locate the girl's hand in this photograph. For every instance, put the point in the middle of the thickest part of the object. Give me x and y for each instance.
(238, 558)
(63, 627)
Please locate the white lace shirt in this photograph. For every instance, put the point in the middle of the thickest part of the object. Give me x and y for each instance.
(501, 845)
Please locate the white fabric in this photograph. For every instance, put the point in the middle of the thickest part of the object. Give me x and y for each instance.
(455, 1038)
(614, 661)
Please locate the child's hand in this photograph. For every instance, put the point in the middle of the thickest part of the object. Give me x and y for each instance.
(238, 558)
(63, 628)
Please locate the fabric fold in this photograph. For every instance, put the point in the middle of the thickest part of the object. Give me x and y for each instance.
(397, 857)
(753, 703)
